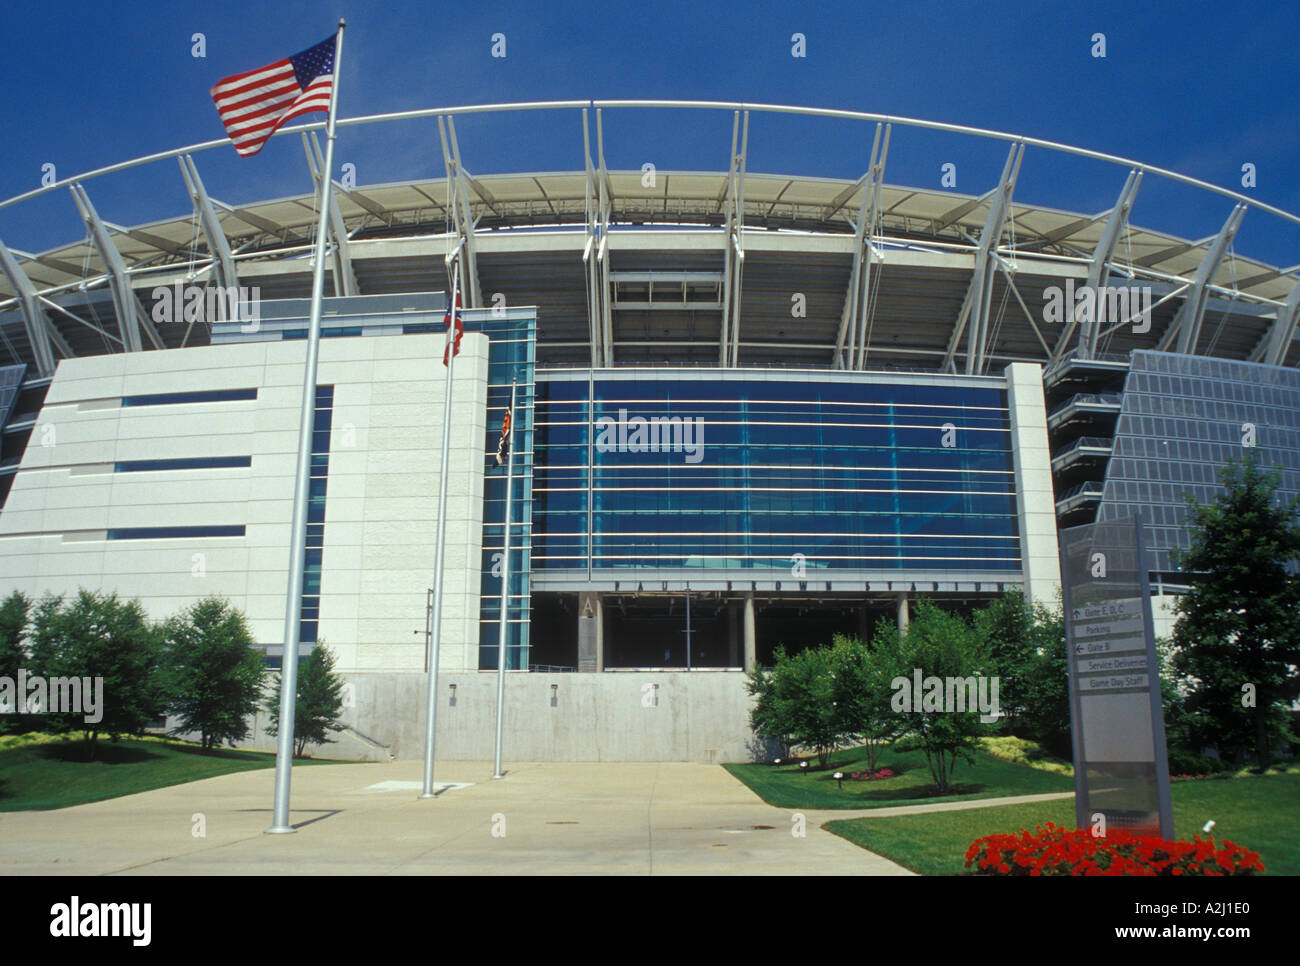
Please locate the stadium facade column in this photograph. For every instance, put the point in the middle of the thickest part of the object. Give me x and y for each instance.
(904, 614)
(1035, 498)
(591, 632)
(864, 624)
(751, 645)
(733, 636)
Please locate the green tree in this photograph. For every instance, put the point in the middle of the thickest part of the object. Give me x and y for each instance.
(1007, 626)
(941, 645)
(13, 651)
(214, 677)
(320, 701)
(861, 695)
(765, 717)
(1044, 685)
(797, 702)
(1239, 625)
(96, 638)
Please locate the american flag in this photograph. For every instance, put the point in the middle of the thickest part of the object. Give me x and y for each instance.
(254, 104)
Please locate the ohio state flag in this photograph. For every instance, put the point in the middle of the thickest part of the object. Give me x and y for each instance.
(454, 348)
(503, 446)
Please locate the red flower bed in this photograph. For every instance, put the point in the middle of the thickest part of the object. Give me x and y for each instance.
(1055, 850)
(866, 776)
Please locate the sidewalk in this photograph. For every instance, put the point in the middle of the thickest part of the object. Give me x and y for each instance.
(666, 818)
(825, 815)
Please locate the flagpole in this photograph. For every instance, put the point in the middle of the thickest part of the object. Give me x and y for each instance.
(431, 710)
(298, 532)
(505, 582)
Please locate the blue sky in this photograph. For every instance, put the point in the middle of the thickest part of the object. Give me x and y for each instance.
(1198, 88)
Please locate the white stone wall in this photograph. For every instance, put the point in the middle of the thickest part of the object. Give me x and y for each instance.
(1035, 498)
(613, 716)
(381, 498)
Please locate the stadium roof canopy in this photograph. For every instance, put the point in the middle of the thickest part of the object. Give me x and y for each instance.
(715, 268)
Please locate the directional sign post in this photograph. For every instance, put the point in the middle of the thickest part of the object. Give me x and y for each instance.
(1121, 772)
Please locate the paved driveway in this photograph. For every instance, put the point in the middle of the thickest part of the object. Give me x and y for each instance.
(597, 819)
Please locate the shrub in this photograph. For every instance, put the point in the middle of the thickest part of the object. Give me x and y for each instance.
(13, 654)
(1055, 850)
(95, 636)
(320, 701)
(1187, 763)
(861, 695)
(1022, 752)
(942, 645)
(796, 702)
(214, 675)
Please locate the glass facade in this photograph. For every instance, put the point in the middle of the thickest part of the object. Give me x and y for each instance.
(314, 549)
(720, 472)
(1183, 417)
(511, 355)
(11, 380)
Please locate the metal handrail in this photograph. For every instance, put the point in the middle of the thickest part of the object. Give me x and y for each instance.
(1089, 487)
(1097, 441)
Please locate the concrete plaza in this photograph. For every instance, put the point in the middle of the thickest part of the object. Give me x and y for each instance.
(660, 818)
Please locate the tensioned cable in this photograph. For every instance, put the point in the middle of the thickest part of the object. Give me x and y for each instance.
(85, 271)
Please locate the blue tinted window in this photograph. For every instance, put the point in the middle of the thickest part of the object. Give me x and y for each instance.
(169, 533)
(188, 463)
(177, 398)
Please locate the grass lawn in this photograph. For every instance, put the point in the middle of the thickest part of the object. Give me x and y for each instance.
(39, 772)
(1257, 812)
(786, 787)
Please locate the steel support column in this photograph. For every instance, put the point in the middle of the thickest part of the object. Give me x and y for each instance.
(462, 216)
(1185, 331)
(223, 260)
(345, 279)
(854, 316)
(1273, 347)
(1098, 272)
(973, 317)
(597, 295)
(35, 321)
(606, 195)
(131, 316)
(733, 247)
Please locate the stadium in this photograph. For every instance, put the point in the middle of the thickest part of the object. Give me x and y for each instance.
(753, 409)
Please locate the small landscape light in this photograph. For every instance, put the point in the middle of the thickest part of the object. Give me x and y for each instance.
(804, 766)
(776, 761)
(839, 779)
